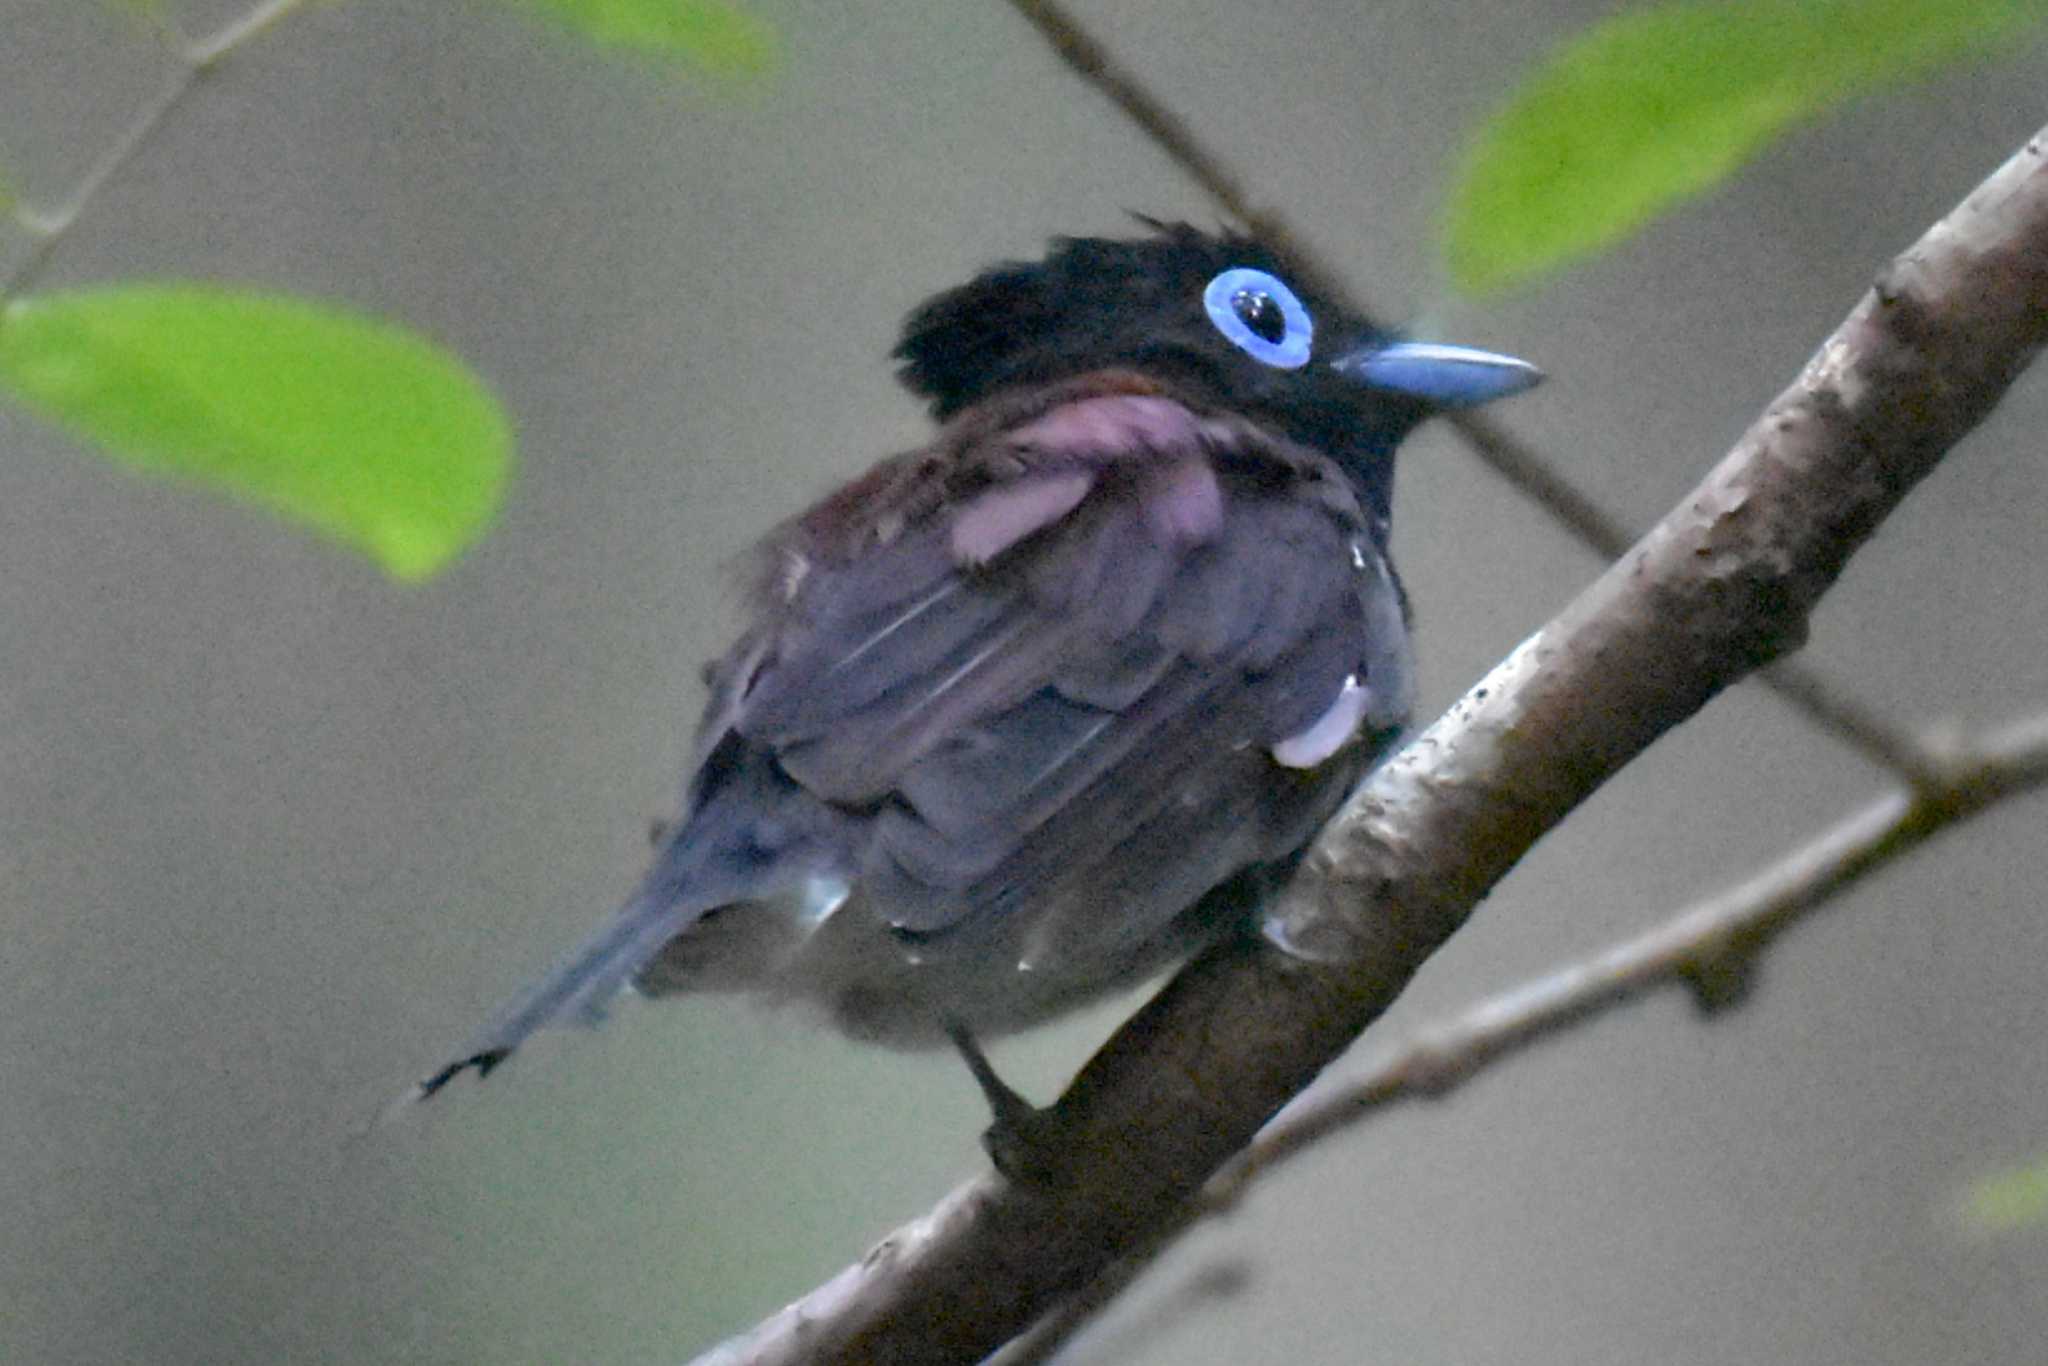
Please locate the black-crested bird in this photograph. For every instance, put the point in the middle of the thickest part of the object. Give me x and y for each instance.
(1034, 710)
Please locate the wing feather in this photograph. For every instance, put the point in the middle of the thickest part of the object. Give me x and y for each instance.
(1043, 668)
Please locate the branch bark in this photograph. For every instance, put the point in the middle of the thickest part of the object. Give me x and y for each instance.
(1722, 585)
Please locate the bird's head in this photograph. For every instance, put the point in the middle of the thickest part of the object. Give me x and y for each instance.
(1219, 318)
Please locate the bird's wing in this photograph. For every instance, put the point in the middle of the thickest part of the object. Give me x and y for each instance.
(1057, 650)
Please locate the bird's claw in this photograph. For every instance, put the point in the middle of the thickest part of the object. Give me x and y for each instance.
(1025, 1141)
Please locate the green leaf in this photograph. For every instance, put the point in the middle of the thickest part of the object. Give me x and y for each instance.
(1657, 105)
(2007, 1201)
(365, 431)
(714, 35)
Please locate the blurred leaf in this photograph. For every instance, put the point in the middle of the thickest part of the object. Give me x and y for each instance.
(718, 36)
(365, 431)
(2007, 1201)
(1657, 105)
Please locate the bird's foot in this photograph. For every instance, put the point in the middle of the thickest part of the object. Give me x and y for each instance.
(1025, 1141)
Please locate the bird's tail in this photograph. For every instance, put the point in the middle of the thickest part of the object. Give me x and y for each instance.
(580, 988)
(710, 859)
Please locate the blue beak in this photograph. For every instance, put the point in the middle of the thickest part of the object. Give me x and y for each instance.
(1438, 374)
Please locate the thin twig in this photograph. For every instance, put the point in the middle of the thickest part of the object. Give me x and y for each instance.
(1527, 471)
(207, 52)
(194, 60)
(1824, 702)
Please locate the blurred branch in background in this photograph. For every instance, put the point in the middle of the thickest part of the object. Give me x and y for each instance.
(717, 37)
(192, 60)
(1718, 588)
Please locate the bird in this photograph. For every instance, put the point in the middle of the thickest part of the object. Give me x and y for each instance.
(1030, 712)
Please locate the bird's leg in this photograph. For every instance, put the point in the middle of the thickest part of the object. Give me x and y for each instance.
(1024, 1141)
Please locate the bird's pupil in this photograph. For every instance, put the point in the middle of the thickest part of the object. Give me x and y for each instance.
(1261, 313)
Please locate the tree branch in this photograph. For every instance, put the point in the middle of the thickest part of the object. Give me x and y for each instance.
(1709, 948)
(1722, 585)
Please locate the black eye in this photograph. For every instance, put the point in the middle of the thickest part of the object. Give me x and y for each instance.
(1256, 309)
(1260, 316)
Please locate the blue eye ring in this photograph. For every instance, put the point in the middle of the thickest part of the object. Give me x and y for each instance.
(1227, 298)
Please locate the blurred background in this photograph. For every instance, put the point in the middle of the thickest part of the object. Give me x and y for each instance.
(275, 833)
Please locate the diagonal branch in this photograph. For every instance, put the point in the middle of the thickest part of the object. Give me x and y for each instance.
(1525, 469)
(1722, 585)
(1708, 947)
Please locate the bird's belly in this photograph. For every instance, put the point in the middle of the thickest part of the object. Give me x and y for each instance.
(881, 987)
(1011, 960)
(851, 969)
